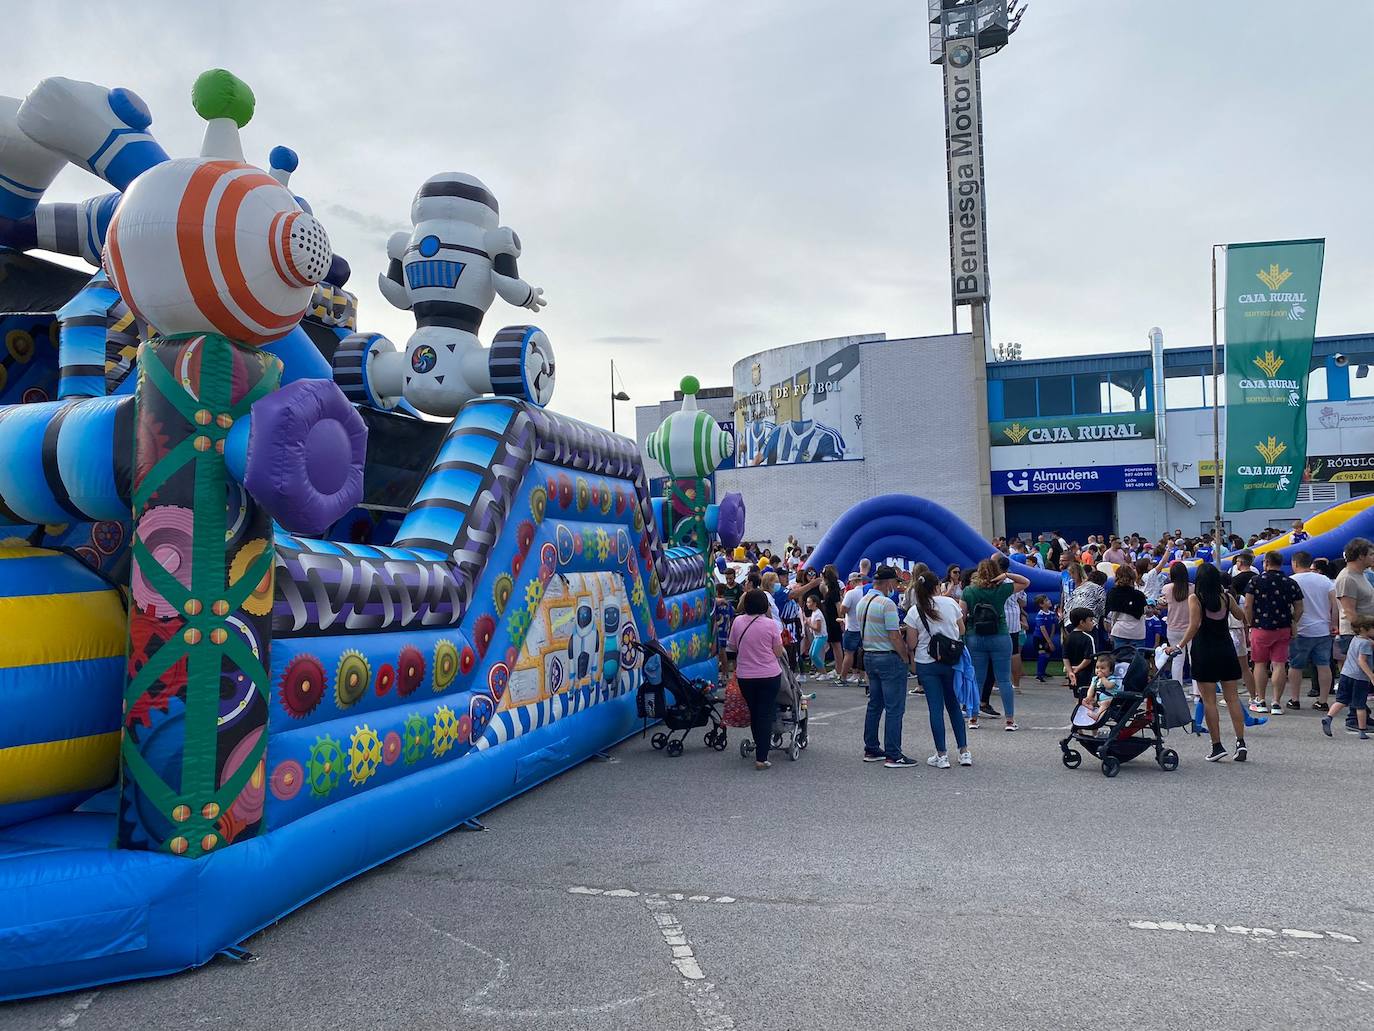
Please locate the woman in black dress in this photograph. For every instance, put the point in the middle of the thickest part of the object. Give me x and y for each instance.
(830, 608)
(1213, 657)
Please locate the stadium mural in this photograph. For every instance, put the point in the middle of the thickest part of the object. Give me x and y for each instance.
(799, 404)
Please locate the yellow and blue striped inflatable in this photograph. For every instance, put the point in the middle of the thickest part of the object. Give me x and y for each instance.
(62, 643)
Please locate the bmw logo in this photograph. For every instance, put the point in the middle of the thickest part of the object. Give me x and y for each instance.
(960, 56)
(424, 358)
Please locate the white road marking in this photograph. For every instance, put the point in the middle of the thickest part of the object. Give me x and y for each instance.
(1241, 930)
(631, 893)
(79, 1007)
(824, 717)
(475, 1003)
(701, 993)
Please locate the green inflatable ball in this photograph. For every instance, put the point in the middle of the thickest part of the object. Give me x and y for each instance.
(221, 94)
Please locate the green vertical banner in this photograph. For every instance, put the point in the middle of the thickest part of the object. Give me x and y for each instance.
(1271, 317)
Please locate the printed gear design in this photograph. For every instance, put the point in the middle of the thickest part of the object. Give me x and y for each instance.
(534, 593)
(483, 629)
(410, 670)
(539, 503)
(259, 602)
(391, 747)
(603, 545)
(325, 766)
(415, 733)
(351, 679)
(445, 730)
(584, 494)
(386, 678)
(501, 591)
(445, 665)
(287, 779)
(605, 497)
(364, 755)
(638, 520)
(519, 626)
(302, 686)
(524, 536)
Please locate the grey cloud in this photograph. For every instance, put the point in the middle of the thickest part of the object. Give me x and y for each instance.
(624, 340)
(364, 220)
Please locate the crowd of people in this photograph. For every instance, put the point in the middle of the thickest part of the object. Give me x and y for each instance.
(1253, 626)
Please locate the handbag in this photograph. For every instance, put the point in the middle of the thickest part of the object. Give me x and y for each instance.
(736, 711)
(943, 648)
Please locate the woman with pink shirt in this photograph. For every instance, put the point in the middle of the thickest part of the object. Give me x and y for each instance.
(1174, 596)
(756, 641)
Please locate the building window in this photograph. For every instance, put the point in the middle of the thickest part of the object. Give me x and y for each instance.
(1361, 381)
(1090, 394)
(1056, 395)
(1125, 391)
(1316, 384)
(1018, 399)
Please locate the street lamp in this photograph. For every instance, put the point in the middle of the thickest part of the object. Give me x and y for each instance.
(616, 395)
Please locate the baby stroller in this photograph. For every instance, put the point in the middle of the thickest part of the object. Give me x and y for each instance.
(690, 706)
(1136, 720)
(790, 723)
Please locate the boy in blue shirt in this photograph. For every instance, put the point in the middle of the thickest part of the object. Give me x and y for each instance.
(1044, 625)
(1156, 633)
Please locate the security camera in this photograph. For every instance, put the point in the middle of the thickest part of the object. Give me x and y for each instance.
(1340, 360)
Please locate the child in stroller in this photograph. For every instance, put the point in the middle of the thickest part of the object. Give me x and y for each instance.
(790, 723)
(691, 705)
(1132, 722)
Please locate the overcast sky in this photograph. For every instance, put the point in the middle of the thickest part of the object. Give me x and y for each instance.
(696, 180)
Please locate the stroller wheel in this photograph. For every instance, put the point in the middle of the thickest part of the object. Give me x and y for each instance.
(1111, 766)
(746, 748)
(710, 739)
(803, 740)
(659, 740)
(1168, 760)
(674, 748)
(777, 739)
(794, 749)
(722, 740)
(1073, 758)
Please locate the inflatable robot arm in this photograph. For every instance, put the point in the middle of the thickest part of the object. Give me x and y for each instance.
(504, 247)
(392, 283)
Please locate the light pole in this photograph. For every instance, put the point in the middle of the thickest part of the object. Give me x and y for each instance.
(616, 395)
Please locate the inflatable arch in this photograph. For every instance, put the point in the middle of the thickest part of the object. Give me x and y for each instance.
(906, 526)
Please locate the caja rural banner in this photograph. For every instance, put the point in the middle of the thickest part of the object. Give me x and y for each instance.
(1271, 317)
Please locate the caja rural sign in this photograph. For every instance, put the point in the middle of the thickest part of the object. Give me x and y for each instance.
(1073, 428)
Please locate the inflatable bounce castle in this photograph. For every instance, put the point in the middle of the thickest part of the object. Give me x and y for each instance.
(265, 625)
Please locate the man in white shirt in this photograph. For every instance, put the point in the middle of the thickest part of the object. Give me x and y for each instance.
(852, 641)
(1315, 632)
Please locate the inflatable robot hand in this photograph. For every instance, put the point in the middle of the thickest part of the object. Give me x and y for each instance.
(448, 270)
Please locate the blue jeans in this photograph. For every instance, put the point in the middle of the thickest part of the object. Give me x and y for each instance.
(937, 680)
(993, 651)
(886, 695)
(1124, 642)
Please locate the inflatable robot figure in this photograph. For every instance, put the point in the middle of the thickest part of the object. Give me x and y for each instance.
(448, 270)
(689, 444)
(583, 644)
(610, 662)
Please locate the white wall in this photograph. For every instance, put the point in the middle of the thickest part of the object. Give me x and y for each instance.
(921, 416)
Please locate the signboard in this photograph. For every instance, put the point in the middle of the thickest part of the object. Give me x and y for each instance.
(1271, 317)
(1317, 469)
(1072, 428)
(1088, 479)
(968, 248)
(799, 404)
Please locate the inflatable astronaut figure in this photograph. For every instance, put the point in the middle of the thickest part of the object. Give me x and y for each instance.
(583, 644)
(448, 270)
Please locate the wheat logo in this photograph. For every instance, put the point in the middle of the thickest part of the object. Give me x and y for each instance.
(1273, 278)
(1271, 449)
(1016, 432)
(1270, 364)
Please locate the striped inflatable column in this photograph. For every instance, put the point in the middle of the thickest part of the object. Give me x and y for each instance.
(200, 620)
(81, 343)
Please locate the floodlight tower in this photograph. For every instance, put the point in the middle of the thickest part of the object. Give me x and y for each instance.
(962, 32)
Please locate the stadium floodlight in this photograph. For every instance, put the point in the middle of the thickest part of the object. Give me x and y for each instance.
(990, 22)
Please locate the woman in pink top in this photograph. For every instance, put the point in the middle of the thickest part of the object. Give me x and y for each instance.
(756, 641)
(1175, 597)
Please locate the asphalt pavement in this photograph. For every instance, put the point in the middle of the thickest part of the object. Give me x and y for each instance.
(695, 893)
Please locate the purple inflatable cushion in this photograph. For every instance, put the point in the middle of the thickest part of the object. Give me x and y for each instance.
(306, 451)
(730, 522)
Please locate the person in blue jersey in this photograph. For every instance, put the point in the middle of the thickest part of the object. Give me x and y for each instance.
(1156, 630)
(1045, 627)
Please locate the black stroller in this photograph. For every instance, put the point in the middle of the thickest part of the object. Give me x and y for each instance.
(790, 722)
(1136, 720)
(683, 705)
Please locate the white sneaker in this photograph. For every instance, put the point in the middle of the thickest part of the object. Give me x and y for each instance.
(940, 762)
(1011, 725)
(965, 759)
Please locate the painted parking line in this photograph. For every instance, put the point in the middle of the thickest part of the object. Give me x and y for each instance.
(701, 992)
(1269, 933)
(631, 893)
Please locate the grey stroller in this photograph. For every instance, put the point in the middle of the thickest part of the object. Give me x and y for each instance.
(789, 725)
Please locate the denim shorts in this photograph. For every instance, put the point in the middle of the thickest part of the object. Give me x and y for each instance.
(1310, 651)
(1352, 692)
(852, 640)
